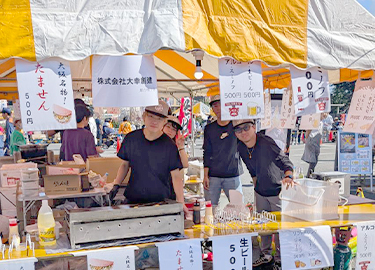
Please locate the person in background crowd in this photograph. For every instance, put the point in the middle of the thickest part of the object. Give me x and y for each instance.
(107, 131)
(17, 138)
(269, 168)
(327, 126)
(312, 147)
(9, 128)
(125, 127)
(221, 160)
(92, 124)
(79, 140)
(1, 141)
(153, 159)
(99, 130)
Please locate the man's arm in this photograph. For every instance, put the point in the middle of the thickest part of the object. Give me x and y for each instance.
(178, 188)
(122, 172)
(207, 152)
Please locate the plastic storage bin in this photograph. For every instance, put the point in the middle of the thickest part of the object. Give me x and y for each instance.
(310, 200)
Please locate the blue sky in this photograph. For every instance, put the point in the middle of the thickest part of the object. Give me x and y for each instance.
(369, 5)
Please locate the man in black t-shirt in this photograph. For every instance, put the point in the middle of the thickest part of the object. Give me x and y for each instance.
(269, 167)
(153, 158)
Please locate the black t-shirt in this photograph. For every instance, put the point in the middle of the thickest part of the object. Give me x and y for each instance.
(220, 152)
(267, 163)
(151, 163)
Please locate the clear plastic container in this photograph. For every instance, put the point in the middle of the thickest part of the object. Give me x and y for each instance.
(310, 200)
(46, 225)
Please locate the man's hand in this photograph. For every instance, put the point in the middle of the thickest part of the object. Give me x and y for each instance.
(206, 183)
(113, 192)
(186, 211)
(180, 141)
(288, 182)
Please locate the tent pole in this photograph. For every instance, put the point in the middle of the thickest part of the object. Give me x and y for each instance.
(192, 125)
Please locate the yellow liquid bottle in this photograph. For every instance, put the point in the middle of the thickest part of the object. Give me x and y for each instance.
(46, 225)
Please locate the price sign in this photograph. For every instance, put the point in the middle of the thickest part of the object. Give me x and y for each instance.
(288, 118)
(310, 91)
(365, 245)
(241, 89)
(180, 255)
(233, 251)
(310, 122)
(266, 121)
(18, 264)
(306, 248)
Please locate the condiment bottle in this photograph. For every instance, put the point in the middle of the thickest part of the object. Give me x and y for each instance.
(208, 214)
(13, 231)
(46, 225)
(197, 213)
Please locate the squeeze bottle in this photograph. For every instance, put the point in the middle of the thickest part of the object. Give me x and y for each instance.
(13, 230)
(208, 214)
(46, 225)
(197, 213)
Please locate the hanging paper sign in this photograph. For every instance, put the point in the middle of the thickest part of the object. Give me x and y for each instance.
(232, 251)
(186, 254)
(241, 89)
(306, 248)
(310, 122)
(18, 264)
(279, 135)
(310, 91)
(266, 121)
(361, 116)
(365, 245)
(288, 118)
(16, 109)
(185, 115)
(124, 81)
(46, 95)
(111, 258)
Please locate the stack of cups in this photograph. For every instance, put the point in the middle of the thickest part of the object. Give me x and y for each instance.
(30, 182)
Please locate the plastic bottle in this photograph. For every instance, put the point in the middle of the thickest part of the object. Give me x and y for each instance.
(208, 214)
(13, 230)
(46, 225)
(197, 213)
(103, 180)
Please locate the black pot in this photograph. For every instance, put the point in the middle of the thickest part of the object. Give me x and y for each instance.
(33, 150)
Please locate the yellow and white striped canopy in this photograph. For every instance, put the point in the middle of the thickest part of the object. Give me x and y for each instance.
(331, 34)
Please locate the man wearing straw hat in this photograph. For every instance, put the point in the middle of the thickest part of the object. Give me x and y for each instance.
(221, 161)
(269, 167)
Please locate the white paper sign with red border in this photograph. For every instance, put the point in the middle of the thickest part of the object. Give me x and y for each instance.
(288, 118)
(18, 264)
(306, 248)
(184, 254)
(111, 258)
(241, 89)
(310, 90)
(232, 251)
(310, 122)
(124, 81)
(365, 245)
(45, 95)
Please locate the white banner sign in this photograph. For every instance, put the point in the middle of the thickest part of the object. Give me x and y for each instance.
(18, 264)
(232, 251)
(186, 254)
(124, 81)
(266, 121)
(16, 109)
(46, 95)
(310, 122)
(111, 258)
(241, 89)
(310, 91)
(365, 246)
(288, 118)
(306, 248)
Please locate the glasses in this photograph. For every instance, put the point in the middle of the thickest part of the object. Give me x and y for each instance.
(245, 127)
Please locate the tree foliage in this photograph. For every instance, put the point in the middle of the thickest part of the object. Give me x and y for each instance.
(342, 94)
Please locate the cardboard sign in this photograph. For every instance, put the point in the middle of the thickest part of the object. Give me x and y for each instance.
(124, 81)
(111, 258)
(288, 118)
(306, 248)
(185, 255)
(310, 91)
(365, 245)
(18, 264)
(241, 89)
(266, 121)
(46, 95)
(232, 251)
(310, 122)
(361, 116)
(354, 153)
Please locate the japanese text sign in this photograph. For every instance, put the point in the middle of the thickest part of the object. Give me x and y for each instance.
(266, 121)
(18, 264)
(306, 248)
(232, 251)
(124, 81)
(185, 115)
(46, 95)
(288, 118)
(365, 246)
(112, 258)
(178, 255)
(361, 115)
(241, 89)
(310, 91)
(310, 122)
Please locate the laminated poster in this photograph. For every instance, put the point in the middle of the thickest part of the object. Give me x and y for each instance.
(365, 246)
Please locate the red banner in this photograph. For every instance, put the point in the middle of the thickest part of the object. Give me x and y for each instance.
(185, 115)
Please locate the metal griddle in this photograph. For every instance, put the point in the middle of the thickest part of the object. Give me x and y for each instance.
(102, 224)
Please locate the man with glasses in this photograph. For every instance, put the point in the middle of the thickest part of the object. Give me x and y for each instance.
(221, 160)
(269, 167)
(153, 159)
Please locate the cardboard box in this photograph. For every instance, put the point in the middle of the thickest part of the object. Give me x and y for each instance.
(62, 184)
(57, 170)
(71, 164)
(102, 165)
(10, 174)
(8, 198)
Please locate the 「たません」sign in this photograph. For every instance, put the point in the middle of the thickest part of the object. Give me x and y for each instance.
(241, 89)
(45, 95)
